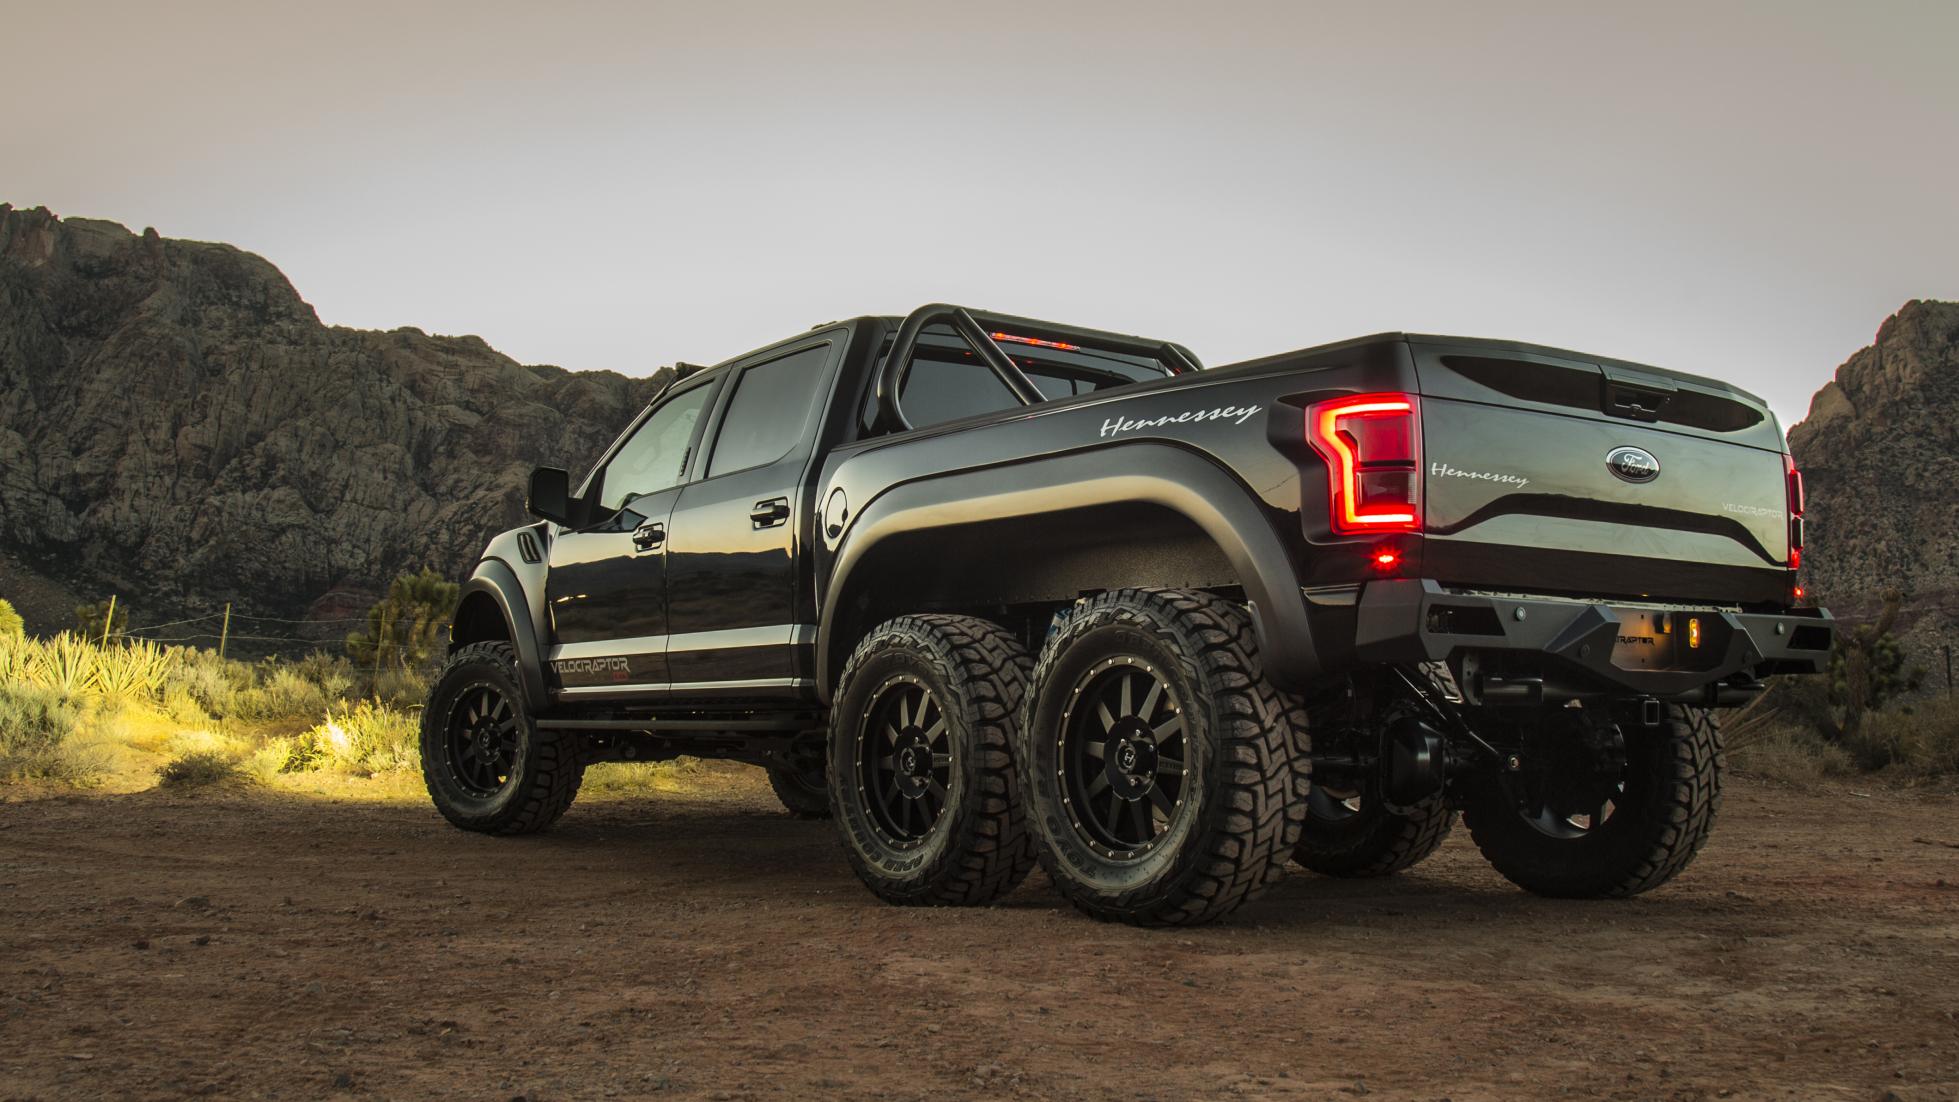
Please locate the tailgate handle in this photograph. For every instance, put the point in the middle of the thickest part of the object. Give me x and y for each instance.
(1636, 397)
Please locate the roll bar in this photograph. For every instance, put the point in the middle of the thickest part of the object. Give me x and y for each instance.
(1175, 358)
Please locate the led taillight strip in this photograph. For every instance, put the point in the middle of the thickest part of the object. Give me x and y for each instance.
(1345, 464)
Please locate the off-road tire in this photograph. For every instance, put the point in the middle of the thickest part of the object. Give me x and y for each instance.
(803, 795)
(1672, 795)
(1373, 841)
(1247, 765)
(978, 848)
(544, 778)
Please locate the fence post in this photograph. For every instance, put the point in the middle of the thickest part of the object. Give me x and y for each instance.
(108, 619)
(224, 633)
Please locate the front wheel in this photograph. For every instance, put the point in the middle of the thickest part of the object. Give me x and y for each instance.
(1593, 809)
(487, 765)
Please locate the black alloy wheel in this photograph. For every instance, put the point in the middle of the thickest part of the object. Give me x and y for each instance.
(1165, 783)
(1593, 808)
(481, 732)
(1124, 763)
(922, 779)
(488, 766)
(904, 755)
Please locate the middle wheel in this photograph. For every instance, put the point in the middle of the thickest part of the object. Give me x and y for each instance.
(1163, 778)
(921, 768)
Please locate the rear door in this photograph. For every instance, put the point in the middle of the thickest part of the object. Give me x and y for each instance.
(1549, 472)
(736, 532)
(606, 590)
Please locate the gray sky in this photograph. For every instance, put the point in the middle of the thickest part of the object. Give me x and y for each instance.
(1739, 190)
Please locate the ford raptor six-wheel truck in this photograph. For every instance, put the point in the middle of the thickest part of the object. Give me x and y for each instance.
(989, 590)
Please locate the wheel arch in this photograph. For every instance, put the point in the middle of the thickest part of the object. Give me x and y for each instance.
(1141, 514)
(493, 605)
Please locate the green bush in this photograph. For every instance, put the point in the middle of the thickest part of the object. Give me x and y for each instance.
(10, 621)
(407, 628)
(40, 738)
(202, 769)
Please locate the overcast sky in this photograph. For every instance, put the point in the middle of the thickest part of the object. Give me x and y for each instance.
(1738, 190)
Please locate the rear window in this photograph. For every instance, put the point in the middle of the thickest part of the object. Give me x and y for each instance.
(769, 411)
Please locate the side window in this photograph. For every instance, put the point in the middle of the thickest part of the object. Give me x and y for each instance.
(769, 411)
(656, 455)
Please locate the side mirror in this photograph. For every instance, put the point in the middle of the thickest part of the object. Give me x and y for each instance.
(550, 495)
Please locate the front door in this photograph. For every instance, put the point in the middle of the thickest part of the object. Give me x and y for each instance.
(731, 568)
(606, 591)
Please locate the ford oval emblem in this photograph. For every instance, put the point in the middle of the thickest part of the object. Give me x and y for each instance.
(1632, 464)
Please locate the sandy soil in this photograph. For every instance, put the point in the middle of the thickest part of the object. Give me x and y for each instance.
(707, 946)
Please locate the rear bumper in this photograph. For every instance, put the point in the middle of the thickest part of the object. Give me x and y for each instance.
(1534, 649)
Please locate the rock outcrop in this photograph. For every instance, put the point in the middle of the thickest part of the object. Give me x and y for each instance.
(1879, 453)
(178, 427)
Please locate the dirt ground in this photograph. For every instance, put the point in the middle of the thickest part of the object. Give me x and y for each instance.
(265, 945)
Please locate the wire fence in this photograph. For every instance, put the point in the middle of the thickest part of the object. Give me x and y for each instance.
(222, 628)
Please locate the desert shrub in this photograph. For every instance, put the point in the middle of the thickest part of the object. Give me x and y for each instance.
(402, 688)
(90, 619)
(1920, 739)
(136, 670)
(41, 738)
(333, 673)
(281, 693)
(202, 769)
(370, 737)
(407, 628)
(11, 624)
(1792, 754)
(65, 663)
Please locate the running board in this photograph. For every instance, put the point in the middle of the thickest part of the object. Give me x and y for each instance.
(659, 726)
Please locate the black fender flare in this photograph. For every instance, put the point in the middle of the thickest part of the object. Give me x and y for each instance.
(1159, 474)
(495, 578)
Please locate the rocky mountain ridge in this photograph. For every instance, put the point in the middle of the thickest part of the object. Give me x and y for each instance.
(1879, 452)
(177, 426)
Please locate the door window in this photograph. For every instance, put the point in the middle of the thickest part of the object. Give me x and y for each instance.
(655, 457)
(769, 411)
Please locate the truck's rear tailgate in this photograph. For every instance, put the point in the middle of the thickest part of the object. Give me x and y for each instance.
(1520, 495)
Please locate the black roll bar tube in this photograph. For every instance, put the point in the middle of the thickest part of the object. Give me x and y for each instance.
(891, 377)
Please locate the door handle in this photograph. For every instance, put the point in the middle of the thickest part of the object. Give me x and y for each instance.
(768, 514)
(649, 535)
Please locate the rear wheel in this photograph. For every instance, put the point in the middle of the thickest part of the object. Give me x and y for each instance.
(487, 766)
(921, 765)
(1595, 809)
(801, 778)
(1350, 830)
(1165, 784)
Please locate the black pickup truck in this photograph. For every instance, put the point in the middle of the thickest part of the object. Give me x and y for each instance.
(991, 590)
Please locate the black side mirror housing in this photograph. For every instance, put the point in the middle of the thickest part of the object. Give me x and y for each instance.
(550, 495)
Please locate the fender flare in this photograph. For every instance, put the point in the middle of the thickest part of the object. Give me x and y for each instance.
(495, 578)
(1158, 474)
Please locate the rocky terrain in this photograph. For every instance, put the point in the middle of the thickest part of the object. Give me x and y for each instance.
(1880, 454)
(177, 426)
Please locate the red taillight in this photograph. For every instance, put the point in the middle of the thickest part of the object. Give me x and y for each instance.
(1794, 479)
(1372, 444)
